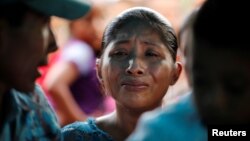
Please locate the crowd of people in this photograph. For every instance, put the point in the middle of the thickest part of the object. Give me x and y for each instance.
(134, 63)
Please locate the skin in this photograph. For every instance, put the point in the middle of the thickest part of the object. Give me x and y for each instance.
(136, 69)
(221, 84)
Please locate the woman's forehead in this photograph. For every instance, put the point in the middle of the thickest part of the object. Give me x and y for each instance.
(129, 31)
(147, 33)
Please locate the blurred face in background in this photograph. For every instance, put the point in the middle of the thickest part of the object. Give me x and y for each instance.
(221, 79)
(85, 29)
(23, 49)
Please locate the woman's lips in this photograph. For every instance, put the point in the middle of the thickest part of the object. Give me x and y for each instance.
(134, 85)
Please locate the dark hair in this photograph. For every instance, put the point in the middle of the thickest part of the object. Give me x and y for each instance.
(187, 26)
(219, 24)
(142, 16)
(15, 13)
(187, 23)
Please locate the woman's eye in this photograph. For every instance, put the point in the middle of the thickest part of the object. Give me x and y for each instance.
(152, 54)
(120, 53)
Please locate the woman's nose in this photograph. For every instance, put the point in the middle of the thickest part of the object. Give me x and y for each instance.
(135, 67)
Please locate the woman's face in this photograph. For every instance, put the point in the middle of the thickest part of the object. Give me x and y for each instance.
(136, 68)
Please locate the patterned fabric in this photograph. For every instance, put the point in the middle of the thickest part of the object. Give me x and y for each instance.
(28, 117)
(84, 131)
(179, 122)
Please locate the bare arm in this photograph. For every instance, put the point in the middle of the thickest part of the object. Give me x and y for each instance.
(57, 81)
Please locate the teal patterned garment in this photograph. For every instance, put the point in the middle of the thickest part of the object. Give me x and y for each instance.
(177, 122)
(84, 131)
(28, 117)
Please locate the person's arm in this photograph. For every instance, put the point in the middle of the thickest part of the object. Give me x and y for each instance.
(58, 81)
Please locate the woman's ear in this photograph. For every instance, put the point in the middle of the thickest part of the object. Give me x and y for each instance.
(176, 72)
(99, 75)
(98, 70)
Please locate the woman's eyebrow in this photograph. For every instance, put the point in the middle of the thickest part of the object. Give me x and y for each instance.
(121, 41)
(152, 42)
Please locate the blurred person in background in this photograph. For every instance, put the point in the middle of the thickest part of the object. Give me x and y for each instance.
(25, 41)
(71, 81)
(220, 64)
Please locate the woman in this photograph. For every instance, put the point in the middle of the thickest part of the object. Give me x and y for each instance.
(136, 68)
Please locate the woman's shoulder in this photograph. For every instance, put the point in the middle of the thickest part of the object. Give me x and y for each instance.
(87, 130)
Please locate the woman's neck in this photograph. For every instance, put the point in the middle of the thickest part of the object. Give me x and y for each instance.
(127, 119)
(119, 124)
